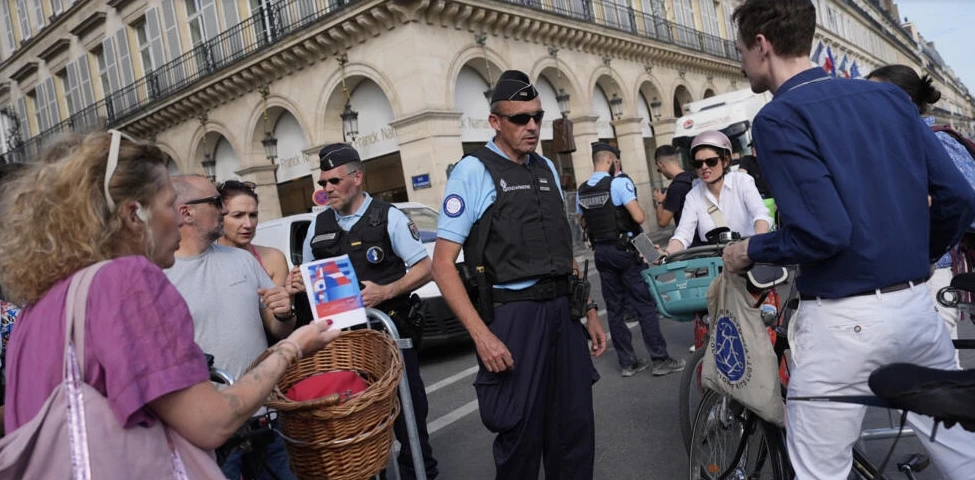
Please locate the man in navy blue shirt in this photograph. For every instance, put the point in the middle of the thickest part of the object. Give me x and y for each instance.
(851, 167)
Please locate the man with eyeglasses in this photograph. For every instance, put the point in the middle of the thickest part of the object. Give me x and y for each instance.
(612, 215)
(391, 262)
(503, 205)
(234, 304)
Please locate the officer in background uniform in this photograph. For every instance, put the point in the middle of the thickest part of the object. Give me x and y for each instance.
(612, 217)
(503, 205)
(389, 259)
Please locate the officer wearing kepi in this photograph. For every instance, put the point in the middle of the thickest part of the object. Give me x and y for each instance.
(612, 216)
(389, 259)
(503, 206)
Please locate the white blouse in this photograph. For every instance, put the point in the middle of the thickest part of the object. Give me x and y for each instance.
(740, 203)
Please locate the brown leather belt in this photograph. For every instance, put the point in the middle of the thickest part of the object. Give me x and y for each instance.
(888, 289)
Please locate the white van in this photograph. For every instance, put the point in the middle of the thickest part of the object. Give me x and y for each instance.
(732, 113)
(441, 326)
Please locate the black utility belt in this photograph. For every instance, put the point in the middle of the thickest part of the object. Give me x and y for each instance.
(544, 289)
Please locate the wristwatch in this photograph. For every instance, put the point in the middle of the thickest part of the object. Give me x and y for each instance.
(288, 318)
(592, 306)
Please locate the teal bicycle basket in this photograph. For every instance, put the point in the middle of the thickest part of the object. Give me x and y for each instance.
(681, 288)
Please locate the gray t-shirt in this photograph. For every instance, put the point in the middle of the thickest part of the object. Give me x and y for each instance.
(220, 286)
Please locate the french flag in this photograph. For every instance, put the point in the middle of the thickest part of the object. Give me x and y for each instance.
(829, 65)
(817, 57)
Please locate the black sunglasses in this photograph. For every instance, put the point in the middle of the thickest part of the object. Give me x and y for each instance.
(524, 118)
(236, 185)
(215, 200)
(334, 180)
(712, 162)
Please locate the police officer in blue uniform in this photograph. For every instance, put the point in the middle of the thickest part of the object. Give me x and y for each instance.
(612, 216)
(503, 206)
(389, 259)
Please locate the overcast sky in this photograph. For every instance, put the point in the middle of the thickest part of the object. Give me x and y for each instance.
(948, 24)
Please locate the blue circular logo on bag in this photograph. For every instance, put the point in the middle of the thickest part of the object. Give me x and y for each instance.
(729, 351)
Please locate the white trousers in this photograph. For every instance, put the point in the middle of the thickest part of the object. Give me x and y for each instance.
(940, 279)
(836, 344)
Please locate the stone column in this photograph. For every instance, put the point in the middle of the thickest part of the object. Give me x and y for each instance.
(429, 141)
(629, 137)
(663, 130)
(267, 189)
(584, 131)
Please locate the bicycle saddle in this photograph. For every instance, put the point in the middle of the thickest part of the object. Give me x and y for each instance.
(946, 395)
(964, 281)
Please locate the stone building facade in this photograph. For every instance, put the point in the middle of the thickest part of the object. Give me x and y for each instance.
(211, 79)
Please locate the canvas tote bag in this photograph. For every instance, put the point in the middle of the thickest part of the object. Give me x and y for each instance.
(76, 436)
(739, 361)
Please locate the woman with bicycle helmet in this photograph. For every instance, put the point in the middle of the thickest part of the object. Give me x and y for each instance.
(719, 197)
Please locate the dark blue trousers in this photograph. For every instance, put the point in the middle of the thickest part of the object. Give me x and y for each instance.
(542, 409)
(619, 275)
(411, 368)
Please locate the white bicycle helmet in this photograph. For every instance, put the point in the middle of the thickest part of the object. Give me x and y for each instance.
(714, 139)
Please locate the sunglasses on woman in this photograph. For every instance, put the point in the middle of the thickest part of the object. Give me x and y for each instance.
(712, 162)
(524, 118)
(236, 185)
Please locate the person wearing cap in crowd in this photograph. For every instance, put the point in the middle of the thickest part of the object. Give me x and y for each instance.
(720, 197)
(612, 216)
(389, 259)
(503, 206)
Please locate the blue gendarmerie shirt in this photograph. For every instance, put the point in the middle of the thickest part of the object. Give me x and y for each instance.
(851, 165)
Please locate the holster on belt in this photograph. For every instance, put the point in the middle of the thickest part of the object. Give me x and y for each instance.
(478, 290)
(579, 294)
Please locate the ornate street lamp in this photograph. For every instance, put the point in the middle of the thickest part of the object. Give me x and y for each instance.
(209, 163)
(350, 122)
(270, 142)
(350, 117)
(616, 107)
(656, 108)
(563, 99)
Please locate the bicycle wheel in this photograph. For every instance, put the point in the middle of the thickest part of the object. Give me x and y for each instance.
(691, 392)
(730, 443)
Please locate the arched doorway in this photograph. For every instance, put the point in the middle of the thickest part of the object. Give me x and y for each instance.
(682, 97)
(708, 93)
(377, 144)
(227, 162)
(600, 108)
(469, 99)
(296, 182)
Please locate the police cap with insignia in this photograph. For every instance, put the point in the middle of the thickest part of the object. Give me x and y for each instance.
(337, 154)
(604, 147)
(513, 85)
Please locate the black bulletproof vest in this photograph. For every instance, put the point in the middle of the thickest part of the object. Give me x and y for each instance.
(604, 222)
(367, 244)
(525, 232)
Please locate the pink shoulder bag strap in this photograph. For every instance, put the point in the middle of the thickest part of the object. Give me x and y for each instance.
(74, 367)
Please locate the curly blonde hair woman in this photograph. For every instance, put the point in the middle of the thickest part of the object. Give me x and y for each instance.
(61, 216)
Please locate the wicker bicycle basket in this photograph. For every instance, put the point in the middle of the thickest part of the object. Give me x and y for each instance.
(342, 441)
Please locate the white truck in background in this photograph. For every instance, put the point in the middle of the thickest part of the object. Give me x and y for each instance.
(731, 113)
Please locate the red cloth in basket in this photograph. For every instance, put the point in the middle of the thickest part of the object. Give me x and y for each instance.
(347, 383)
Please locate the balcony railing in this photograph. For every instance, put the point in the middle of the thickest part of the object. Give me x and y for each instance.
(622, 17)
(288, 16)
(202, 61)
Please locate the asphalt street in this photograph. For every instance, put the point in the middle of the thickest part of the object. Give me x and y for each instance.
(637, 430)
